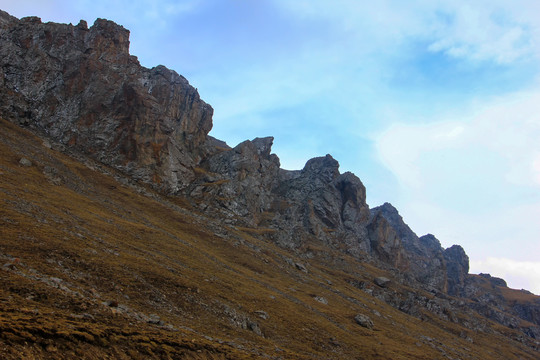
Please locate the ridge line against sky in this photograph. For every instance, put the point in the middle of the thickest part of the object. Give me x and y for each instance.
(433, 104)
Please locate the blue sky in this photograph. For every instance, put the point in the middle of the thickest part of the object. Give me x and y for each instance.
(433, 104)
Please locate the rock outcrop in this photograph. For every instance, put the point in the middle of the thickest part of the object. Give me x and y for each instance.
(320, 202)
(457, 268)
(82, 88)
(239, 180)
(436, 268)
(422, 256)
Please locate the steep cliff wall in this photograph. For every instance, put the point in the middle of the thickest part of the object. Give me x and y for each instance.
(81, 86)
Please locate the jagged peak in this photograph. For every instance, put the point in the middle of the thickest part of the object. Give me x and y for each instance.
(387, 208)
(31, 20)
(325, 167)
(388, 211)
(391, 214)
(93, 95)
(455, 248)
(109, 25)
(494, 280)
(430, 240)
(264, 145)
(106, 37)
(348, 176)
(6, 17)
(82, 25)
(261, 146)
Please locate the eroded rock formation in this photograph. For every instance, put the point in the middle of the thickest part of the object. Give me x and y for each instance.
(81, 86)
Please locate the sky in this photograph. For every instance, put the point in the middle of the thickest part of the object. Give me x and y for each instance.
(433, 104)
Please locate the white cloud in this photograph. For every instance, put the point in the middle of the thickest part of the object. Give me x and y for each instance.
(401, 146)
(496, 30)
(481, 31)
(518, 274)
(536, 168)
(473, 180)
(507, 128)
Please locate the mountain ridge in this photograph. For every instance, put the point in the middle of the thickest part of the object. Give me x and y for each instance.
(80, 88)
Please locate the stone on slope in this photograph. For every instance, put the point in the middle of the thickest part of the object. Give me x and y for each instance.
(381, 281)
(364, 321)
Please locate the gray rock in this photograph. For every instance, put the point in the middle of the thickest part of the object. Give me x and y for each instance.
(301, 267)
(154, 319)
(381, 281)
(385, 242)
(241, 320)
(25, 162)
(364, 321)
(253, 326)
(319, 203)
(495, 281)
(262, 314)
(248, 169)
(394, 241)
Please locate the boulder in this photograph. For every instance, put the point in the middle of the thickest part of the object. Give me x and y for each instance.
(364, 321)
(382, 281)
(25, 162)
(301, 267)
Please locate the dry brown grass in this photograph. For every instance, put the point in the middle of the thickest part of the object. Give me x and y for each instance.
(519, 296)
(91, 241)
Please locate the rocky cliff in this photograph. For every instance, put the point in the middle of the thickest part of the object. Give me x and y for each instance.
(81, 88)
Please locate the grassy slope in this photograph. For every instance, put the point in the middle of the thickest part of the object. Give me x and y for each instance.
(75, 241)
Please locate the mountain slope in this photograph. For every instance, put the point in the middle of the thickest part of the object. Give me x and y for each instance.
(96, 267)
(127, 232)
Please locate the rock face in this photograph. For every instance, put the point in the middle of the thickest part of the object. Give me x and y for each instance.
(457, 269)
(248, 169)
(423, 257)
(80, 86)
(386, 242)
(316, 202)
(320, 202)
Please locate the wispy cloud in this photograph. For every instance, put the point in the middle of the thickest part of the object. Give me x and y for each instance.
(507, 128)
(497, 30)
